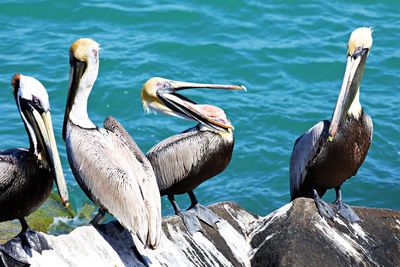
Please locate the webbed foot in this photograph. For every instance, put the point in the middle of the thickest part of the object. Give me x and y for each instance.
(205, 214)
(16, 251)
(343, 209)
(346, 212)
(190, 221)
(325, 209)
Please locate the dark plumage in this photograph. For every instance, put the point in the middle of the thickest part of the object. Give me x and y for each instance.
(26, 175)
(25, 183)
(183, 161)
(333, 162)
(332, 151)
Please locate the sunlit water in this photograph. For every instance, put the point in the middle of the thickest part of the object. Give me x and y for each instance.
(291, 57)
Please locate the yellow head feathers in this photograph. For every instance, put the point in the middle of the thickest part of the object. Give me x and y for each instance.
(81, 47)
(149, 93)
(360, 38)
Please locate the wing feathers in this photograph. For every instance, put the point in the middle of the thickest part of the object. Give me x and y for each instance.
(304, 151)
(117, 180)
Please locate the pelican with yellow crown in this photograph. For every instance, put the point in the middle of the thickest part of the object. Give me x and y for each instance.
(331, 152)
(184, 161)
(106, 162)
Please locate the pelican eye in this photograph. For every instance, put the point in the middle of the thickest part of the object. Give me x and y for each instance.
(35, 99)
(37, 104)
(164, 87)
(358, 52)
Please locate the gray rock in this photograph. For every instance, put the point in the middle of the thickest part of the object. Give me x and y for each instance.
(293, 235)
(296, 235)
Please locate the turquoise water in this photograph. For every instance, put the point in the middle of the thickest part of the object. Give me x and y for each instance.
(291, 57)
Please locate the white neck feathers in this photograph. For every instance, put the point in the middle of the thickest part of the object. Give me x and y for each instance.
(355, 108)
(78, 114)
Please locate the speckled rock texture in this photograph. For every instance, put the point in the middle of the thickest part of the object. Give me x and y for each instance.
(294, 235)
(298, 236)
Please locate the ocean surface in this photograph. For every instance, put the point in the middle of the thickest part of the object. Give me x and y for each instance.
(290, 55)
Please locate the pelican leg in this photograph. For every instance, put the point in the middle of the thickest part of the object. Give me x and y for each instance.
(324, 208)
(171, 199)
(343, 209)
(203, 213)
(100, 214)
(24, 225)
(22, 234)
(189, 218)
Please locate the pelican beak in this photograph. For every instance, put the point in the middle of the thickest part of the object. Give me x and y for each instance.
(75, 75)
(186, 85)
(350, 86)
(187, 109)
(45, 128)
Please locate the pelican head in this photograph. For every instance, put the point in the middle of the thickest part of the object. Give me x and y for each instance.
(160, 95)
(34, 107)
(84, 64)
(358, 48)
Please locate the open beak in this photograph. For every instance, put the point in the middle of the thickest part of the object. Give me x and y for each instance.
(186, 85)
(46, 131)
(348, 90)
(75, 75)
(187, 109)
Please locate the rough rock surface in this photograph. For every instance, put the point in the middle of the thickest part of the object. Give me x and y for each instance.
(294, 235)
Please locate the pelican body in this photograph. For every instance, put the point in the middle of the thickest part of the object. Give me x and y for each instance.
(106, 162)
(332, 151)
(332, 166)
(184, 161)
(193, 157)
(26, 175)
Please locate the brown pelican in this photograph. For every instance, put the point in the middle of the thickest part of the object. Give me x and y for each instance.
(26, 175)
(110, 169)
(183, 161)
(329, 153)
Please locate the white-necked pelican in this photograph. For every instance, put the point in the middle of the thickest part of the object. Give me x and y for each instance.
(332, 151)
(120, 181)
(26, 175)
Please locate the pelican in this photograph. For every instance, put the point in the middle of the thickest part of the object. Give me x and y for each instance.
(331, 152)
(26, 175)
(110, 168)
(183, 161)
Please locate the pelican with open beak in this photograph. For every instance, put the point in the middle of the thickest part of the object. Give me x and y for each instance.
(26, 175)
(106, 162)
(184, 161)
(332, 151)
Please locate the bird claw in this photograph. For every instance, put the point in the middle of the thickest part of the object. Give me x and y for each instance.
(346, 212)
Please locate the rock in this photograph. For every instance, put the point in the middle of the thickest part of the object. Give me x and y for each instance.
(296, 235)
(293, 235)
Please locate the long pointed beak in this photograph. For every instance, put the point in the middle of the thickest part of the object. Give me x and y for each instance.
(348, 91)
(46, 128)
(190, 110)
(185, 108)
(177, 85)
(75, 75)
